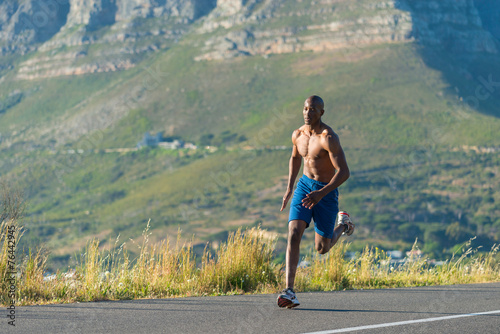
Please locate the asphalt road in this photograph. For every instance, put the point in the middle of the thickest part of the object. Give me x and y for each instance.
(437, 309)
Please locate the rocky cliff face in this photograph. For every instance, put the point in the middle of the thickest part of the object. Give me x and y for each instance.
(92, 14)
(25, 23)
(67, 33)
(97, 13)
(490, 15)
(454, 25)
(325, 27)
(231, 6)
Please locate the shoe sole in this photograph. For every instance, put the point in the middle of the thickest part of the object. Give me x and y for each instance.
(347, 225)
(351, 230)
(283, 302)
(286, 303)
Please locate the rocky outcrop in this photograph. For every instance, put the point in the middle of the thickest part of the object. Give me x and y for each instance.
(63, 65)
(489, 12)
(97, 13)
(135, 28)
(381, 22)
(92, 14)
(454, 25)
(131, 28)
(230, 6)
(25, 23)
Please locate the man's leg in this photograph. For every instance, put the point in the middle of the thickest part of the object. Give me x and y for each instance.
(295, 230)
(323, 245)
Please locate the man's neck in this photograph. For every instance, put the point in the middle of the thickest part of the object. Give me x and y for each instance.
(314, 129)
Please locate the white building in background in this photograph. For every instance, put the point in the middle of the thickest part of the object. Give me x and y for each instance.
(171, 145)
(157, 140)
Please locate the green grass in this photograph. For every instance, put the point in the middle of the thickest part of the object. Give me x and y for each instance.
(397, 195)
(59, 95)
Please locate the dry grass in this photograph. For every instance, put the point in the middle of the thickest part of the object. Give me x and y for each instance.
(374, 269)
(242, 264)
(11, 210)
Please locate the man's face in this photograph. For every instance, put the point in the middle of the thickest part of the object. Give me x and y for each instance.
(311, 113)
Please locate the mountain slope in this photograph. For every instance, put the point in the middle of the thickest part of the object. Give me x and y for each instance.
(235, 75)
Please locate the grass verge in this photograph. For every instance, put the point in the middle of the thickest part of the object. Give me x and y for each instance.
(243, 264)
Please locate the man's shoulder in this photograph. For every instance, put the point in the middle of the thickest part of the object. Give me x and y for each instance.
(330, 140)
(328, 132)
(297, 132)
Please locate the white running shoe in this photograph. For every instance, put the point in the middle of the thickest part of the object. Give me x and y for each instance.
(343, 218)
(288, 299)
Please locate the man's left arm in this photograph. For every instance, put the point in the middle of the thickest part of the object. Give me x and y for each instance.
(337, 157)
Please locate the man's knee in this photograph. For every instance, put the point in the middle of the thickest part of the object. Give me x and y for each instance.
(322, 248)
(295, 232)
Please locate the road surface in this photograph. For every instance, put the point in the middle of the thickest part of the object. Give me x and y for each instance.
(437, 309)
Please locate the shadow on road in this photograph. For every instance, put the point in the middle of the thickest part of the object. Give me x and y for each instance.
(370, 311)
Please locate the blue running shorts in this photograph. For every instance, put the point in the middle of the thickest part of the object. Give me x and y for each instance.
(324, 212)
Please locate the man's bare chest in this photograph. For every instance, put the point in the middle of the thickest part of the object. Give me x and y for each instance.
(310, 147)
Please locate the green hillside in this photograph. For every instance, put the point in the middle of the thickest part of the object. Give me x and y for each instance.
(403, 113)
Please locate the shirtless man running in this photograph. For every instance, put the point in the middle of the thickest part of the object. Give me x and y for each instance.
(316, 195)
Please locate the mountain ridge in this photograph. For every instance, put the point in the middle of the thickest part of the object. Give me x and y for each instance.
(135, 29)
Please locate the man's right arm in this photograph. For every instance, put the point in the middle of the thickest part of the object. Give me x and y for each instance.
(293, 170)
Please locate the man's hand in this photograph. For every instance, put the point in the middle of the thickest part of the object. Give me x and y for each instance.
(286, 198)
(312, 199)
